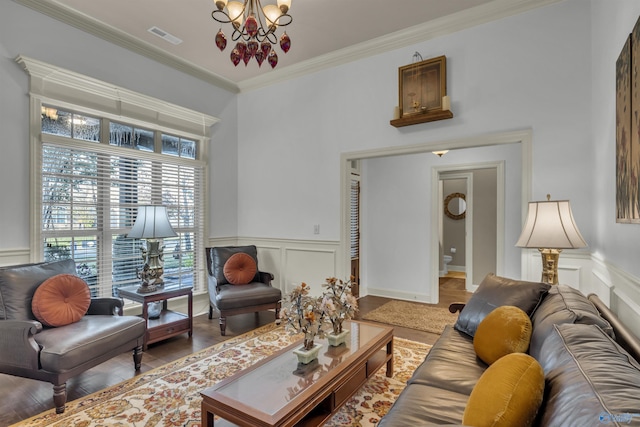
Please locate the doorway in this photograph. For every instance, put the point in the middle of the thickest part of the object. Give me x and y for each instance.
(455, 223)
(426, 289)
(476, 241)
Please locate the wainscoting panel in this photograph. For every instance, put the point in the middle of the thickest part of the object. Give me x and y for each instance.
(309, 266)
(14, 257)
(623, 292)
(311, 261)
(627, 310)
(296, 261)
(574, 268)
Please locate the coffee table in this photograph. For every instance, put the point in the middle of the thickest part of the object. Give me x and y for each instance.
(277, 391)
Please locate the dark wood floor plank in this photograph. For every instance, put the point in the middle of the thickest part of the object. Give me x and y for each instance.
(22, 398)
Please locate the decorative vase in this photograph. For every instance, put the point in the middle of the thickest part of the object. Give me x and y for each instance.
(307, 356)
(337, 339)
(154, 309)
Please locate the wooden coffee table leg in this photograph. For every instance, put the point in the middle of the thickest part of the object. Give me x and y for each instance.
(207, 417)
(390, 361)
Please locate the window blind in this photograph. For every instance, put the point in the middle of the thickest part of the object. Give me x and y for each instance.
(354, 199)
(89, 199)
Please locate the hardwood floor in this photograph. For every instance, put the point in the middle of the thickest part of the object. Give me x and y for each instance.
(22, 398)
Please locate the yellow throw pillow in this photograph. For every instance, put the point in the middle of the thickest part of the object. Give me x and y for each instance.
(509, 393)
(505, 330)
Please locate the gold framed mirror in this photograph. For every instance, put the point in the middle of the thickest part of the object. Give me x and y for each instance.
(455, 206)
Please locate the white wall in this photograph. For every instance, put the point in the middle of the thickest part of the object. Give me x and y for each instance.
(551, 70)
(396, 218)
(618, 244)
(26, 32)
(615, 247)
(526, 71)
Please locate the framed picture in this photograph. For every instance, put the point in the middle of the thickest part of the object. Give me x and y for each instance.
(627, 126)
(422, 86)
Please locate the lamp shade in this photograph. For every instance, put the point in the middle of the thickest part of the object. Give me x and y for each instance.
(152, 223)
(550, 224)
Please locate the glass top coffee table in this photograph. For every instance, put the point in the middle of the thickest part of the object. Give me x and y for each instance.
(277, 391)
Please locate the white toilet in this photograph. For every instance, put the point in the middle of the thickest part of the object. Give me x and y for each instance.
(446, 259)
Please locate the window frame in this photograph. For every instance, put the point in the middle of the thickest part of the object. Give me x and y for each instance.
(67, 90)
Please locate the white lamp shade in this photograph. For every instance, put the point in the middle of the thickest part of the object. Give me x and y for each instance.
(272, 13)
(235, 9)
(550, 224)
(152, 223)
(285, 3)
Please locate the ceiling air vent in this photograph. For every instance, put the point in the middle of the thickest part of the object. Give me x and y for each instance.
(164, 35)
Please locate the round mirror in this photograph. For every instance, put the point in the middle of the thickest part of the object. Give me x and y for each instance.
(455, 206)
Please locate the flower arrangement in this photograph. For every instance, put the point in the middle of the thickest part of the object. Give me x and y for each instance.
(309, 315)
(339, 302)
(304, 314)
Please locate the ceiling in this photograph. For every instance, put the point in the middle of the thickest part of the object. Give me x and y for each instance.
(323, 32)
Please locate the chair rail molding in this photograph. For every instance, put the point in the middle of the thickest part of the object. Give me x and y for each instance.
(293, 261)
(14, 256)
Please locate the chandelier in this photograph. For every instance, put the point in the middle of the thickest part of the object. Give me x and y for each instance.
(254, 29)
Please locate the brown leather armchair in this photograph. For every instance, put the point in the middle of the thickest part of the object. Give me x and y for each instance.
(229, 299)
(55, 354)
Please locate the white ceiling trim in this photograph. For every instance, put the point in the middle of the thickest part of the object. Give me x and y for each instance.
(487, 12)
(481, 14)
(111, 34)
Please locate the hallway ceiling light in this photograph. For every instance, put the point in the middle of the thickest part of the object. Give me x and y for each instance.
(254, 28)
(440, 153)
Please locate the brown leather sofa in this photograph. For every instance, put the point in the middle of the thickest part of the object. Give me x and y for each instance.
(590, 362)
(55, 354)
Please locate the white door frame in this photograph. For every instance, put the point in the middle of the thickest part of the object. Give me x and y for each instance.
(436, 201)
(438, 217)
(524, 137)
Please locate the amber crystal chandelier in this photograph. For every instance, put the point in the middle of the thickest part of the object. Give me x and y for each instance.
(254, 28)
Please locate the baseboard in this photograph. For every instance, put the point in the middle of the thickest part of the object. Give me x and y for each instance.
(405, 296)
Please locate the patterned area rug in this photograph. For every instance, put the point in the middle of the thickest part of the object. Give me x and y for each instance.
(423, 317)
(170, 395)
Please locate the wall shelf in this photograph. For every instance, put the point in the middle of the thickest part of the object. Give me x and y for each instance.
(414, 119)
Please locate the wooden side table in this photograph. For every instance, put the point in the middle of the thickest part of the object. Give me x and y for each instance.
(170, 323)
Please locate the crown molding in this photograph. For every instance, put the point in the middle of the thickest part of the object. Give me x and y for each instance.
(478, 15)
(113, 35)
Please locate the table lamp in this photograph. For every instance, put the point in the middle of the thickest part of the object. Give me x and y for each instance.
(550, 227)
(151, 224)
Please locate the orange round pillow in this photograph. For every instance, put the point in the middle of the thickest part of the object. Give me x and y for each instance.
(61, 300)
(240, 269)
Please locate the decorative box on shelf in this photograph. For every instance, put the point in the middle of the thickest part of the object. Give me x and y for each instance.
(422, 90)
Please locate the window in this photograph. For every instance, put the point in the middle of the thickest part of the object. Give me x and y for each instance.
(90, 193)
(101, 152)
(354, 228)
